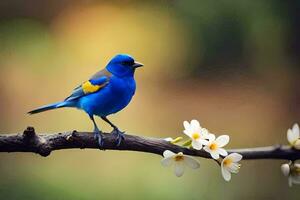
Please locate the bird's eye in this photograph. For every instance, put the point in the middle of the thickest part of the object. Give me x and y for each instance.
(127, 63)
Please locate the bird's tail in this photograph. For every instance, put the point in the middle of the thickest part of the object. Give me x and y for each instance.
(51, 107)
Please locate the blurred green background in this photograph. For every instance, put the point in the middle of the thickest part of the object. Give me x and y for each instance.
(231, 64)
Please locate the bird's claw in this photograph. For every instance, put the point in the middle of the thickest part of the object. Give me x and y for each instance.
(119, 134)
(99, 138)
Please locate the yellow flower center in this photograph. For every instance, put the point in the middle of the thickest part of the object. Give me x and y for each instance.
(227, 162)
(213, 146)
(195, 136)
(293, 143)
(179, 157)
(295, 170)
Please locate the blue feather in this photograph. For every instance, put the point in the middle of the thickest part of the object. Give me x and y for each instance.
(52, 106)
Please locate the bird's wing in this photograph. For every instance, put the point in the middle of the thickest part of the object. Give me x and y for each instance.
(94, 84)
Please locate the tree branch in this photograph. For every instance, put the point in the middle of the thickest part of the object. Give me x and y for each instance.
(44, 144)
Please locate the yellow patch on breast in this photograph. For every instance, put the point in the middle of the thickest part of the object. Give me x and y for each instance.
(88, 87)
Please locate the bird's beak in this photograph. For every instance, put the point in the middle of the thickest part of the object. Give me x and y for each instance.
(137, 64)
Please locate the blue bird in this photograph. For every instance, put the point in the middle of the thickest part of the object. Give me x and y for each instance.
(106, 92)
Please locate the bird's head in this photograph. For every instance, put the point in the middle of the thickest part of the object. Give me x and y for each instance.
(122, 65)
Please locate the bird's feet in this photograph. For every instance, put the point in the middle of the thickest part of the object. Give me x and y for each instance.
(99, 138)
(119, 134)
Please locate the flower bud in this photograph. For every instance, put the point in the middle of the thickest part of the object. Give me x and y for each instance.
(285, 168)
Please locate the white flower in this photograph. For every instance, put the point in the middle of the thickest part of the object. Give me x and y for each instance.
(179, 161)
(230, 165)
(214, 146)
(285, 168)
(291, 170)
(197, 134)
(294, 177)
(293, 136)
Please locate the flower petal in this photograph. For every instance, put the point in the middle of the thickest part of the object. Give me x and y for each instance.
(297, 164)
(203, 142)
(191, 162)
(211, 137)
(296, 179)
(285, 168)
(222, 140)
(196, 145)
(292, 136)
(226, 174)
(179, 169)
(295, 129)
(204, 132)
(168, 154)
(188, 133)
(207, 149)
(235, 157)
(222, 152)
(234, 167)
(215, 155)
(167, 162)
(186, 125)
(195, 124)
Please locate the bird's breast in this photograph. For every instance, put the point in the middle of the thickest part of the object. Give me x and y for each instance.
(123, 86)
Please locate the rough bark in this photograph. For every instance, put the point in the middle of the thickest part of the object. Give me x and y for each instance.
(44, 144)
